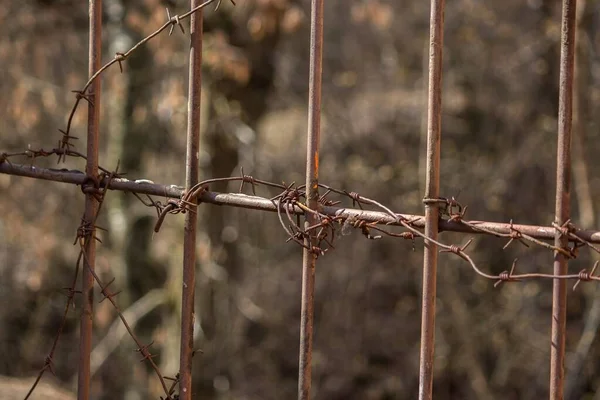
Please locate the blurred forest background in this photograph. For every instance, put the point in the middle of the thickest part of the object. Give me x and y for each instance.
(500, 105)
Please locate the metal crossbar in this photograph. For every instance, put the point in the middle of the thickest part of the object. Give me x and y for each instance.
(322, 216)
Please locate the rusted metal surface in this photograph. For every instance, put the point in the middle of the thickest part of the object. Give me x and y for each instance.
(432, 191)
(310, 252)
(563, 198)
(91, 203)
(191, 179)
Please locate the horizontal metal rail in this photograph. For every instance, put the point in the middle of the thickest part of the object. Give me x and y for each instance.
(260, 203)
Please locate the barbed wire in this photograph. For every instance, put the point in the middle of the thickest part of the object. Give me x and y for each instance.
(91, 186)
(81, 94)
(332, 220)
(336, 221)
(148, 187)
(289, 204)
(86, 232)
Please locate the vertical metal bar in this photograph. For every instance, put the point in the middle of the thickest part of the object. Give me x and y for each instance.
(309, 257)
(91, 205)
(191, 178)
(563, 197)
(432, 191)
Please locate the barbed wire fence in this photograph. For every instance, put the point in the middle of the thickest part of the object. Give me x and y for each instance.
(329, 213)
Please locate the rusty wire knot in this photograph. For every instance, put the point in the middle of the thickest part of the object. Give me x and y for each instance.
(325, 226)
(567, 229)
(91, 187)
(404, 235)
(297, 237)
(65, 145)
(507, 276)
(143, 350)
(106, 293)
(193, 197)
(439, 201)
(86, 231)
(48, 364)
(453, 209)
(172, 207)
(449, 207)
(36, 153)
(586, 276)
(458, 215)
(120, 58)
(453, 249)
(322, 237)
(280, 196)
(456, 249)
(514, 234)
(188, 202)
(81, 95)
(174, 20)
(71, 292)
(290, 197)
(326, 202)
(291, 194)
(407, 235)
(247, 179)
(363, 225)
(570, 230)
(356, 199)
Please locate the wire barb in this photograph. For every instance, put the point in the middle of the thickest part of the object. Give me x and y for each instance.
(506, 276)
(120, 58)
(586, 276)
(174, 20)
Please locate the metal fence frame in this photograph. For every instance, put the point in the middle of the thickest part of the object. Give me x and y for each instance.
(319, 213)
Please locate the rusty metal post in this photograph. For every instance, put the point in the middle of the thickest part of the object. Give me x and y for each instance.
(191, 178)
(563, 197)
(309, 257)
(432, 191)
(91, 204)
